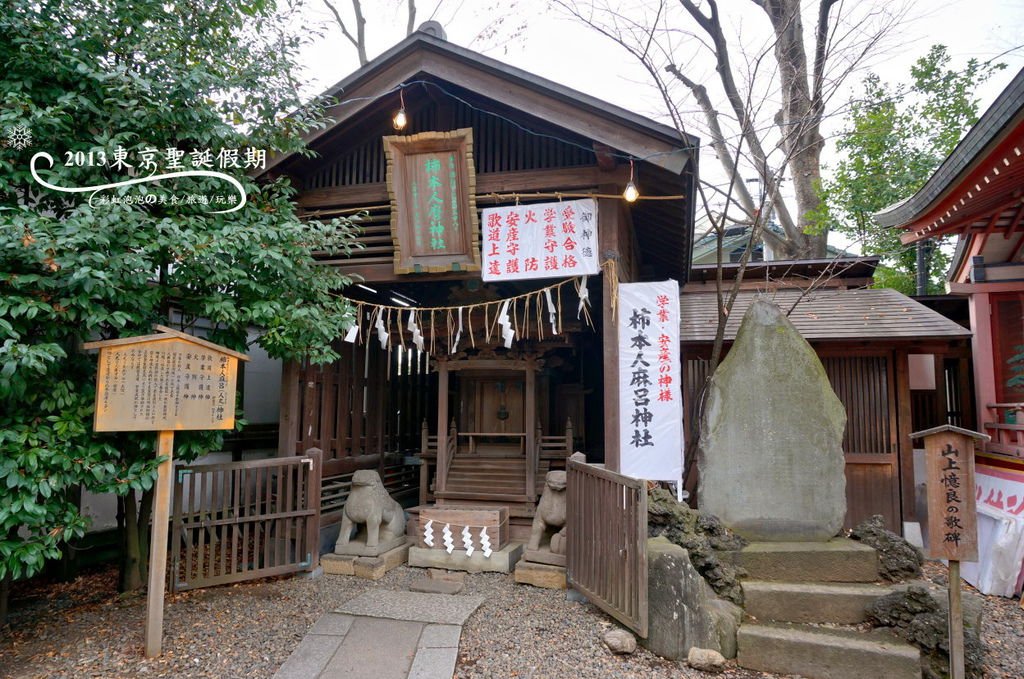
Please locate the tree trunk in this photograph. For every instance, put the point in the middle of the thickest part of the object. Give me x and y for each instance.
(131, 576)
(5, 593)
(145, 514)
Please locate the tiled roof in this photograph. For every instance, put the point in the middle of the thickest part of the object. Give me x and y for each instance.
(832, 314)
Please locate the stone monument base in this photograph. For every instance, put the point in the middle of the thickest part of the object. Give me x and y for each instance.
(544, 556)
(356, 547)
(500, 561)
(540, 575)
(368, 567)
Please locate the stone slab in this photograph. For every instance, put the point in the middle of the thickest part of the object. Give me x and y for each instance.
(433, 608)
(332, 624)
(544, 556)
(434, 663)
(501, 561)
(811, 602)
(374, 648)
(773, 466)
(440, 636)
(450, 576)
(336, 564)
(367, 567)
(540, 575)
(435, 586)
(821, 653)
(838, 560)
(359, 548)
(309, 658)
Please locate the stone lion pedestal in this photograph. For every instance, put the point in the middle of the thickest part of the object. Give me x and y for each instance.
(543, 563)
(379, 543)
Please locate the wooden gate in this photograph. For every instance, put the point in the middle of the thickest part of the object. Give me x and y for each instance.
(606, 516)
(245, 520)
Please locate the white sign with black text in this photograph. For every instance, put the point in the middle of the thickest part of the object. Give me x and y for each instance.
(650, 399)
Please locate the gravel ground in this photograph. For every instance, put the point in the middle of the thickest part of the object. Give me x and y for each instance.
(1002, 628)
(84, 629)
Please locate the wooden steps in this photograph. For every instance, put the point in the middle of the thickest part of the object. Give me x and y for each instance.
(482, 477)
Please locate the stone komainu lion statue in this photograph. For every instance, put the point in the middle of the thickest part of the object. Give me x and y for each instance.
(551, 509)
(369, 503)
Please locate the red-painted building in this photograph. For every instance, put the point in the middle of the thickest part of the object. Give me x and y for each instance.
(978, 195)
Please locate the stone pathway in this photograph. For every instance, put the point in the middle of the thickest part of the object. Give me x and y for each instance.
(383, 634)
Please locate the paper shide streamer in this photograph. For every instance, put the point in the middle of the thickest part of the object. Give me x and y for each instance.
(522, 317)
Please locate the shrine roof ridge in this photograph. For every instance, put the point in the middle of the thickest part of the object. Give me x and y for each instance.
(682, 142)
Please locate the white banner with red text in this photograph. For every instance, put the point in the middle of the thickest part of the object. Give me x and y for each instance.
(542, 240)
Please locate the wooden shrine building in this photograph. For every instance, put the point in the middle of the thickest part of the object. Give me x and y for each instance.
(489, 376)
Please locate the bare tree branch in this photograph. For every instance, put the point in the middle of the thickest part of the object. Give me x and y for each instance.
(359, 39)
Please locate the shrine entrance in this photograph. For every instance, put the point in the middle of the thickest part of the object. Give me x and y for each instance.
(495, 457)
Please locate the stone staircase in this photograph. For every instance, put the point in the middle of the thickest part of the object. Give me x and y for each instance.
(801, 603)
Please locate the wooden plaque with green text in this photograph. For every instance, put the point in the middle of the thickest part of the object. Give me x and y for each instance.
(432, 185)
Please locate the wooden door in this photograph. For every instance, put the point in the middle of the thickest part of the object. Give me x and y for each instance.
(492, 404)
(866, 386)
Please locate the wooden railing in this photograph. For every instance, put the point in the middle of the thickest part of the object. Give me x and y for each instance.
(556, 448)
(606, 518)
(1006, 427)
(400, 481)
(243, 520)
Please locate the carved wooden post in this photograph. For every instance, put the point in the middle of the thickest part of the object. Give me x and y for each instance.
(569, 436)
(952, 522)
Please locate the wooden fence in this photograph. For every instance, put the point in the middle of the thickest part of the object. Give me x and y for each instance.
(244, 520)
(607, 541)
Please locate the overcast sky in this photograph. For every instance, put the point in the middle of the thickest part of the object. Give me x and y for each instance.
(546, 42)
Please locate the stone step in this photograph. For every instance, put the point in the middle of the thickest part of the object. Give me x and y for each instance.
(823, 653)
(838, 560)
(816, 602)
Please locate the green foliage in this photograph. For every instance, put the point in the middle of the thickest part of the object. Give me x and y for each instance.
(92, 76)
(895, 138)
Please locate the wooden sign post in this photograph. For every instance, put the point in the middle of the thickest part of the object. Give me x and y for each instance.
(952, 522)
(167, 382)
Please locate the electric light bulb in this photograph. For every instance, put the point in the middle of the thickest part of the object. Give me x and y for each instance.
(630, 194)
(400, 119)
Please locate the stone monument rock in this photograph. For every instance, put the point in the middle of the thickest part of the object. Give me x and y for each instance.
(771, 465)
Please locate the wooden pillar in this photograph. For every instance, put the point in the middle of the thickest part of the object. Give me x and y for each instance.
(288, 425)
(608, 224)
(530, 421)
(984, 356)
(904, 445)
(158, 545)
(442, 426)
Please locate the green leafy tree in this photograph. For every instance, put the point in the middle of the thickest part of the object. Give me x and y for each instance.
(92, 77)
(895, 138)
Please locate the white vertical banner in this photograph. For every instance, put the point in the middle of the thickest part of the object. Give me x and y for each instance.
(650, 380)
